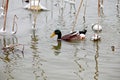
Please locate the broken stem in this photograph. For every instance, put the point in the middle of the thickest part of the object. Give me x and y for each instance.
(98, 8)
(14, 22)
(6, 9)
(84, 11)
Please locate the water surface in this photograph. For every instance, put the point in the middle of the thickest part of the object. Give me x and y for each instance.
(43, 58)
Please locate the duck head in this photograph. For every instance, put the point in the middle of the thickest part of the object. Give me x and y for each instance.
(83, 32)
(58, 33)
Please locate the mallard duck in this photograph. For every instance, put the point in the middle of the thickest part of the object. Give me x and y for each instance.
(35, 5)
(96, 27)
(74, 36)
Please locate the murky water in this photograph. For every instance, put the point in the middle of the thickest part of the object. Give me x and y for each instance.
(43, 58)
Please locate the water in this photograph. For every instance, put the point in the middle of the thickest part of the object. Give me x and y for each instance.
(43, 58)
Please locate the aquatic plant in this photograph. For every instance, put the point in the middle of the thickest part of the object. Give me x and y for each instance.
(76, 17)
(35, 5)
(97, 27)
(5, 10)
(12, 48)
(14, 23)
(3, 29)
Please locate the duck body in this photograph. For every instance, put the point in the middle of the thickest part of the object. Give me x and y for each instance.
(71, 37)
(74, 36)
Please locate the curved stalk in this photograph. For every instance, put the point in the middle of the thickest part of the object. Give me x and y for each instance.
(14, 23)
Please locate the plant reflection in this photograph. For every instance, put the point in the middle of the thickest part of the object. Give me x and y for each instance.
(11, 47)
(52, 8)
(71, 4)
(33, 17)
(37, 65)
(61, 14)
(35, 14)
(57, 47)
(10, 56)
(96, 61)
(77, 59)
(118, 8)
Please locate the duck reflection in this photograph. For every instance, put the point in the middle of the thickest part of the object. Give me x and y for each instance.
(57, 47)
(37, 64)
(9, 55)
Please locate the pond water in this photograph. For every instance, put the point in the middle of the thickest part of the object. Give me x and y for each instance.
(39, 57)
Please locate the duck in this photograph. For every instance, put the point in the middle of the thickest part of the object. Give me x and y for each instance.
(95, 37)
(73, 36)
(35, 5)
(96, 27)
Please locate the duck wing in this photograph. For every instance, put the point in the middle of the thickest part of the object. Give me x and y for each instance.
(71, 37)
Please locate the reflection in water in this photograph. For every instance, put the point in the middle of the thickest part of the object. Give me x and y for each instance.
(81, 68)
(102, 12)
(57, 47)
(37, 65)
(113, 48)
(10, 45)
(77, 59)
(63, 11)
(96, 61)
(72, 5)
(34, 20)
(10, 55)
(118, 8)
(52, 9)
(35, 15)
(61, 15)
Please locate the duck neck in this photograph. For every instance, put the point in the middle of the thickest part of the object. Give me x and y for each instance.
(59, 36)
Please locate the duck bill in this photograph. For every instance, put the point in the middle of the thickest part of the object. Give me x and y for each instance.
(52, 35)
